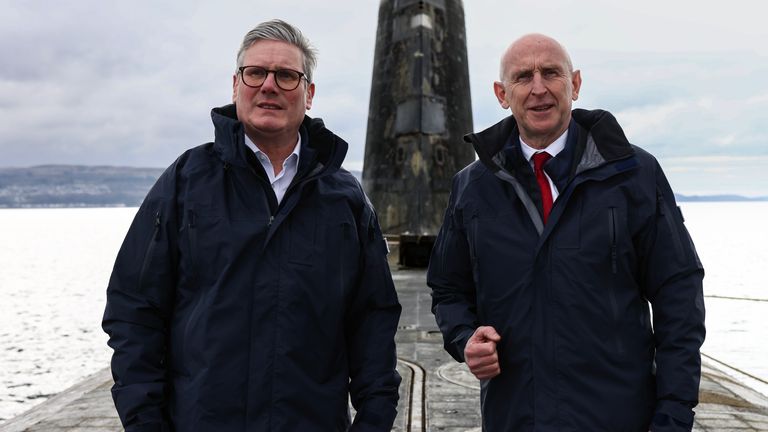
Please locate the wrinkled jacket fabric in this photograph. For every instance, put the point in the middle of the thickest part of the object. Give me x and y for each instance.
(227, 312)
(570, 298)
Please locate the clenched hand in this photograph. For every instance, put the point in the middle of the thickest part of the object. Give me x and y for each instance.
(480, 353)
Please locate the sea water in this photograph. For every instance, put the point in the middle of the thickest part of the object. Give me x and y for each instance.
(55, 265)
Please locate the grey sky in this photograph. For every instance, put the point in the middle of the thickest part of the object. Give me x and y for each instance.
(132, 83)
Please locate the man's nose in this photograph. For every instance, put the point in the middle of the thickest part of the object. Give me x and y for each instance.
(537, 84)
(270, 83)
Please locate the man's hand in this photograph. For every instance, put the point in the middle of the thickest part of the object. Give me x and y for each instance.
(480, 353)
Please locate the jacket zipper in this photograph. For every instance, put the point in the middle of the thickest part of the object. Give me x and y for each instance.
(266, 197)
(315, 173)
(149, 252)
(311, 176)
(614, 269)
(530, 207)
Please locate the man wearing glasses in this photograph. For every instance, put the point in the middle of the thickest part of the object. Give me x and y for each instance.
(252, 291)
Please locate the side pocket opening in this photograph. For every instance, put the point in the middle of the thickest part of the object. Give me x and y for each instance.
(666, 212)
(149, 253)
(613, 240)
(192, 232)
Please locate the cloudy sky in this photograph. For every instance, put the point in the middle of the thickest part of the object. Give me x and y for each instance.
(132, 83)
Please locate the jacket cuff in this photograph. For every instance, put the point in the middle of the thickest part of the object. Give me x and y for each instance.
(374, 419)
(672, 417)
(149, 427)
(460, 342)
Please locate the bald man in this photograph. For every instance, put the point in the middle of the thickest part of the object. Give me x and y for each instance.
(556, 245)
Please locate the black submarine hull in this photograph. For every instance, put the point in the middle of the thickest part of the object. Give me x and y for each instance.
(420, 107)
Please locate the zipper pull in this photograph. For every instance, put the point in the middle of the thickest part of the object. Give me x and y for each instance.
(614, 240)
(157, 225)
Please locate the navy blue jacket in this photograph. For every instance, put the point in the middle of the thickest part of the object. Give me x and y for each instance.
(579, 350)
(227, 312)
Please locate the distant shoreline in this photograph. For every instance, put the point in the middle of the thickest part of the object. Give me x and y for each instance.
(718, 198)
(81, 205)
(85, 186)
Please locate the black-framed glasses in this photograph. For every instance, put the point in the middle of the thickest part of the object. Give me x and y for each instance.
(286, 79)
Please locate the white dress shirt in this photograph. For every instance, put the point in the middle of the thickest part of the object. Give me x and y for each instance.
(553, 149)
(283, 179)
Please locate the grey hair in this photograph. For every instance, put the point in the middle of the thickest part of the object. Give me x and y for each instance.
(279, 30)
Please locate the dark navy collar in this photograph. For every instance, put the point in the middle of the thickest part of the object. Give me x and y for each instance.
(560, 167)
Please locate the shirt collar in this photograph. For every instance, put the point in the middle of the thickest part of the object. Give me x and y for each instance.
(553, 149)
(289, 160)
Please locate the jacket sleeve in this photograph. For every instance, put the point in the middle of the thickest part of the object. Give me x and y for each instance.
(370, 328)
(454, 302)
(139, 297)
(673, 278)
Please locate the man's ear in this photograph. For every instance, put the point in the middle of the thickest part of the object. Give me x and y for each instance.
(234, 88)
(576, 83)
(310, 95)
(501, 94)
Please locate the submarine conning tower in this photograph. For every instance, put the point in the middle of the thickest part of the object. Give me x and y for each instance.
(420, 108)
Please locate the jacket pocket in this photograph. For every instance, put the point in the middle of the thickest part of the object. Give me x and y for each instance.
(666, 213)
(472, 233)
(193, 244)
(150, 252)
(613, 240)
(612, 235)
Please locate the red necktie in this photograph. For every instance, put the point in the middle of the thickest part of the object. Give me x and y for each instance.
(539, 159)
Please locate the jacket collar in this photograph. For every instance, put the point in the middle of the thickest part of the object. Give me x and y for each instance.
(601, 140)
(321, 150)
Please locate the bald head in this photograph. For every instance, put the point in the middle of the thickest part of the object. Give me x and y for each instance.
(528, 44)
(538, 84)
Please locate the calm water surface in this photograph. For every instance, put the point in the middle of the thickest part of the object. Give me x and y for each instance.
(54, 268)
(55, 264)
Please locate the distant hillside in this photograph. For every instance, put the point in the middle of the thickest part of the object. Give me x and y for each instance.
(110, 186)
(720, 198)
(75, 186)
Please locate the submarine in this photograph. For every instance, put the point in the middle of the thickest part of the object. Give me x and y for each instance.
(420, 108)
